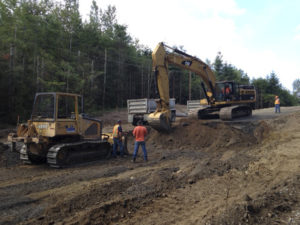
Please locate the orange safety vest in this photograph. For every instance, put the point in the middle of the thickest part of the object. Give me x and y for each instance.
(116, 131)
(277, 101)
(227, 90)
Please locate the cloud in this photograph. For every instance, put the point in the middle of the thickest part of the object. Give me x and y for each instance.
(215, 7)
(296, 37)
(203, 28)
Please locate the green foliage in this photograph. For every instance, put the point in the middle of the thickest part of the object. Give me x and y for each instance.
(269, 87)
(286, 99)
(225, 71)
(296, 86)
(45, 46)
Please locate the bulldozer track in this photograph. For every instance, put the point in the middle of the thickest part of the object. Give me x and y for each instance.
(62, 155)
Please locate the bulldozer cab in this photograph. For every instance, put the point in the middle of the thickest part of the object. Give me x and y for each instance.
(56, 114)
(56, 106)
(61, 114)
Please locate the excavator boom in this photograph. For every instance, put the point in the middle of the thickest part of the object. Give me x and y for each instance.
(160, 119)
(227, 106)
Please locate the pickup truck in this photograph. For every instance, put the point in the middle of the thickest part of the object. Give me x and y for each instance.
(139, 109)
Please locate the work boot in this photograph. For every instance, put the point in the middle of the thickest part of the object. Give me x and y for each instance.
(146, 159)
(133, 160)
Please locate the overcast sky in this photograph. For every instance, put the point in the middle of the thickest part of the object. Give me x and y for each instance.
(257, 36)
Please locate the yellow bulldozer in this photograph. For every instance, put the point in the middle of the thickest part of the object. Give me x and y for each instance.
(60, 134)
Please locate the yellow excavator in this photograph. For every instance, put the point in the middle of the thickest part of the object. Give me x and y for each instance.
(225, 99)
(59, 135)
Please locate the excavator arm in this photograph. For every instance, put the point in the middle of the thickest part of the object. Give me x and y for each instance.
(161, 57)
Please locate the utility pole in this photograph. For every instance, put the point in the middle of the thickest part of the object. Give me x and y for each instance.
(10, 79)
(149, 77)
(104, 79)
(38, 74)
(190, 85)
(42, 73)
(173, 80)
(142, 86)
(180, 88)
(68, 80)
(92, 75)
(70, 53)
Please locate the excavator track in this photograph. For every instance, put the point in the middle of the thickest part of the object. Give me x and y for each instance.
(232, 112)
(66, 154)
(208, 113)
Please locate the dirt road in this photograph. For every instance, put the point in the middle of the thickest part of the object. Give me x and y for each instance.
(204, 172)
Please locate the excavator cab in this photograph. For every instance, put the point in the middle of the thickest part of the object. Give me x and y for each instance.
(224, 91)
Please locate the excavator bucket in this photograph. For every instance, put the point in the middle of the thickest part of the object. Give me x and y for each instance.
(160, 122)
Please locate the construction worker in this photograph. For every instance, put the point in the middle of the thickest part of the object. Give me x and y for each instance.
(226, 92)
(117, 138)
(139, 133)
(277, 104)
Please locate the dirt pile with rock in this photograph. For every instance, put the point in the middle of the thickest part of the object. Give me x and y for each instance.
(195, 134)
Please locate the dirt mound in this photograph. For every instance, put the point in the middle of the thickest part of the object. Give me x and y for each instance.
(196, 134)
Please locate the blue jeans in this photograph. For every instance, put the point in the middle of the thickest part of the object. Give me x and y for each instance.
(277, 108)
(136, 148)
(117, 142)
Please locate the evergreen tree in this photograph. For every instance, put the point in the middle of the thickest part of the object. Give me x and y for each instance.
(296, 86)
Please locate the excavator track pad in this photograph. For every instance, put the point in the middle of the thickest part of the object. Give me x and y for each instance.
(232, 112)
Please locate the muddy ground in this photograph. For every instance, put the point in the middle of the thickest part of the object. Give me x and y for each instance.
(204, 172)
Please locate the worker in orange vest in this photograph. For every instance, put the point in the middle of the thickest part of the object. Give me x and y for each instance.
(277, 104)
(117, 138)
(226, 92)
(139, 133)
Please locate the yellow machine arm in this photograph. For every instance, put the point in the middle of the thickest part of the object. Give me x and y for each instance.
(160, 119)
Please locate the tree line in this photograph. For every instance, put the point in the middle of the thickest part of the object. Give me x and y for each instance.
(46, 46)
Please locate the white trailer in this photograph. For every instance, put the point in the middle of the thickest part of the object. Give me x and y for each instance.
(139, 109)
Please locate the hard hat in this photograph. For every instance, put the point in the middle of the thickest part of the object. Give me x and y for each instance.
(119, 121)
